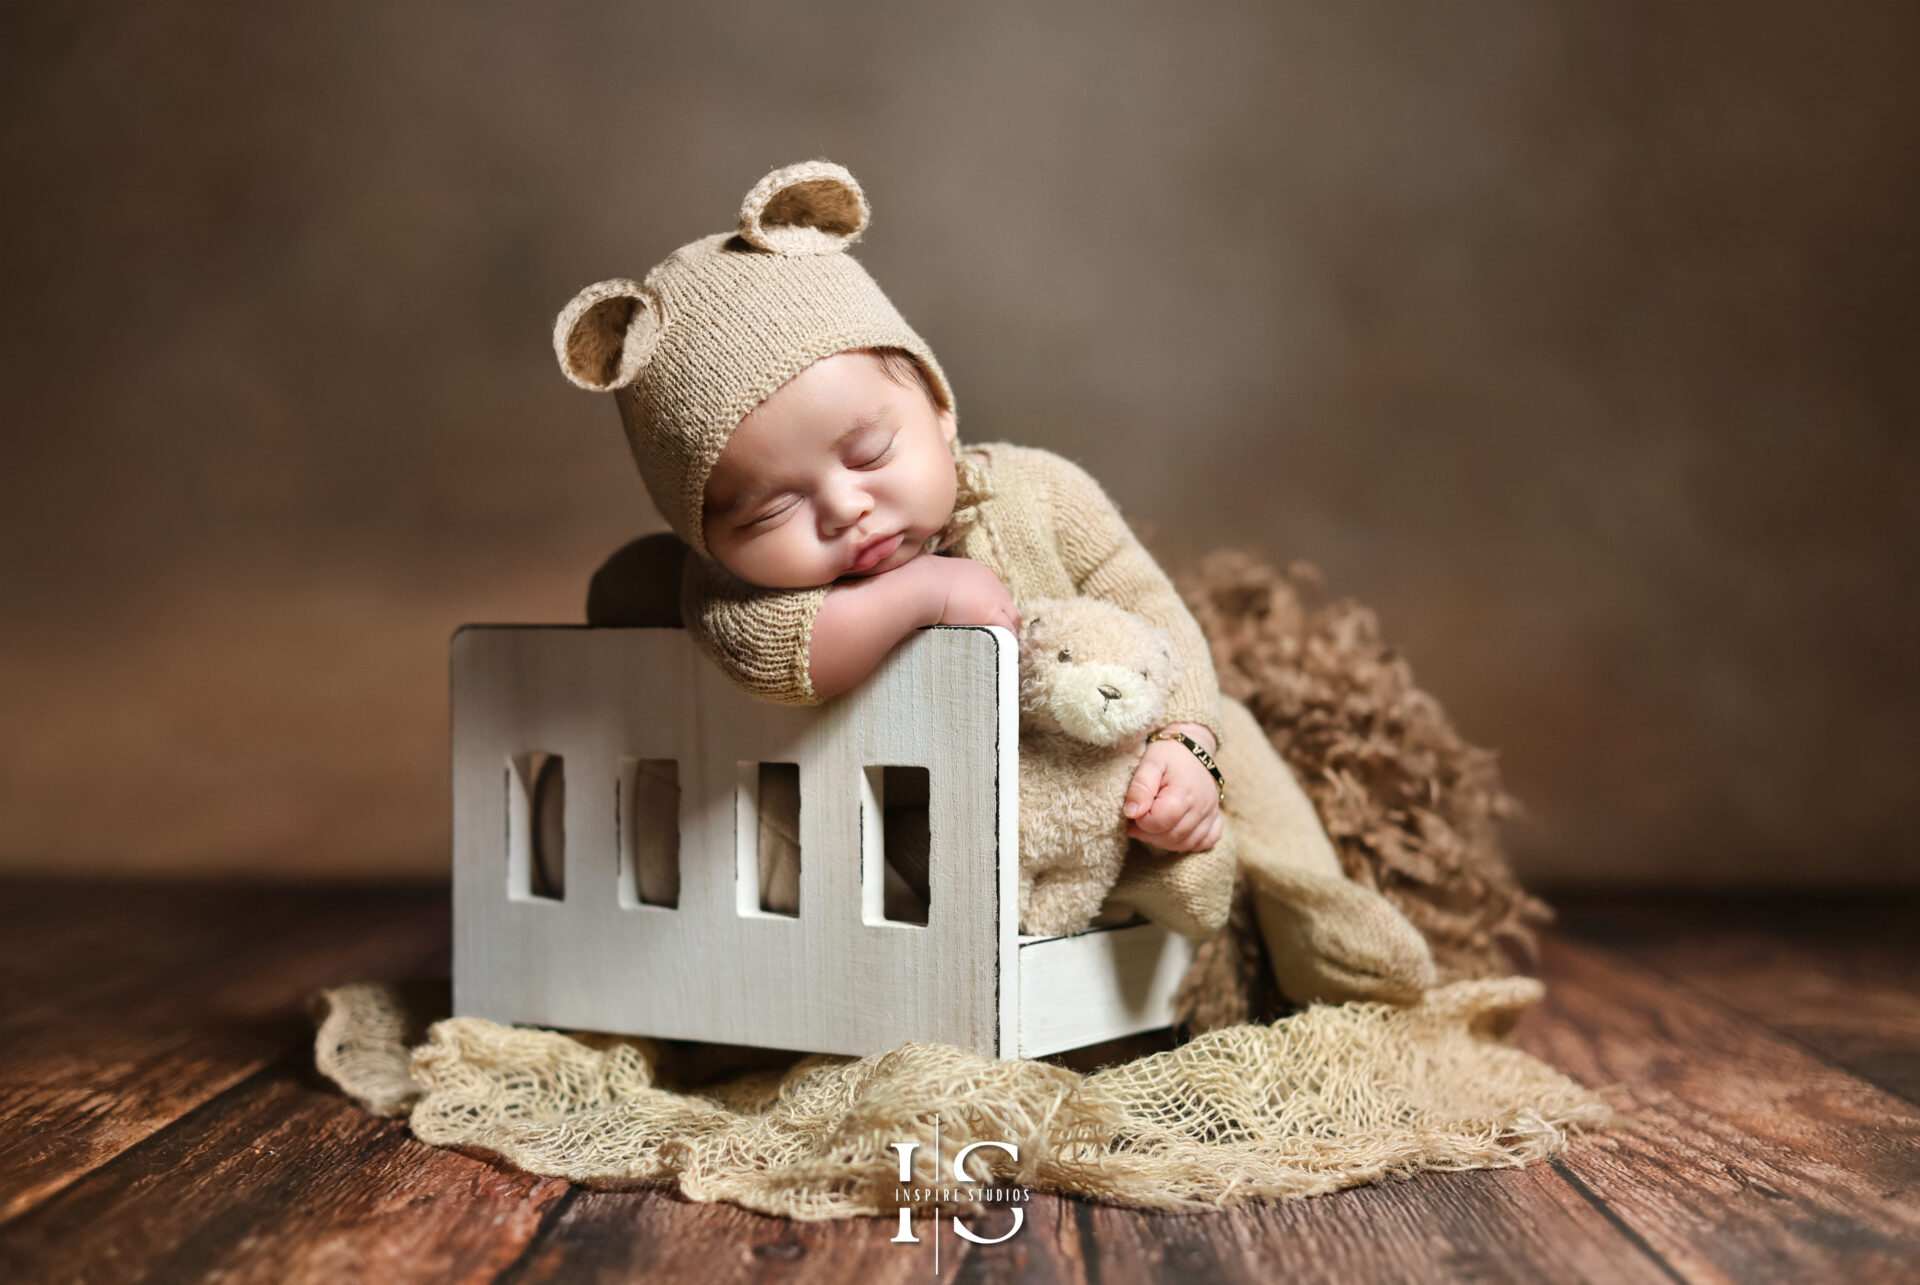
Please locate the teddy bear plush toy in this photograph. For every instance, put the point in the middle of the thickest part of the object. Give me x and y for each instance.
(1094, 680)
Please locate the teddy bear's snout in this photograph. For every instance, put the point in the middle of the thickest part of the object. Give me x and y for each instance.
(1102, 704)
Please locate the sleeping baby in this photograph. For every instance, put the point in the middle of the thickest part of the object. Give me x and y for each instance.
(803, 441)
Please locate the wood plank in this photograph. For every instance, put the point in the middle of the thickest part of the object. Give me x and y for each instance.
(1836, 972)
(1749, 1158)
(281, 1179)
(1045, 1250)
(1523, 1225)
(95, 1059)
(73, 1097)
(1097, 986)
(104, 949)
(65, 944)
(651, 1234)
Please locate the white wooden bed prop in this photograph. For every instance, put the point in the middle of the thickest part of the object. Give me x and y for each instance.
(838, 977)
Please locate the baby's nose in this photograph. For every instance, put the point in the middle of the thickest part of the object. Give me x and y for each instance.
(842, 508)
(1109, 691)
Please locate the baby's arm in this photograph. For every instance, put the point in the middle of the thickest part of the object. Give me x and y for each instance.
(860, 621)
(774, 642)
(1172, 801)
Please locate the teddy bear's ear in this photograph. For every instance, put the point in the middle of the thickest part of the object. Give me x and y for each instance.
(1032, 611)
(604, 337)
(814, 207)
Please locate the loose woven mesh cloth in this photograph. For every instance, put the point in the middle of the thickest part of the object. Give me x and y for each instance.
(1263, 1103)
(1329, 1097)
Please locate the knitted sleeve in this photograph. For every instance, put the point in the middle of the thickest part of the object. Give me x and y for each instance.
(760, 638)
(1106, 560)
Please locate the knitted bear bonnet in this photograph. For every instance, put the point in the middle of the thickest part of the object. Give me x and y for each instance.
(725, 321)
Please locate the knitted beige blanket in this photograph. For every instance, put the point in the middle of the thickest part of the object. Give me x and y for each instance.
(1329, 1097)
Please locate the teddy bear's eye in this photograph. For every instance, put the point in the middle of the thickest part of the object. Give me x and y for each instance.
(1066, 654)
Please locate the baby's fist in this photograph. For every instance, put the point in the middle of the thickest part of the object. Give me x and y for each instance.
(1172, 802)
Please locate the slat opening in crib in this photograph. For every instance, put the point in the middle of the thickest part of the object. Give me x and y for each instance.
(895, 844)
(647, 818)
(536, 827)
(766, 836)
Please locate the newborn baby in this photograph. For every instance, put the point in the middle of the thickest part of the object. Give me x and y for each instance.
(802, 440)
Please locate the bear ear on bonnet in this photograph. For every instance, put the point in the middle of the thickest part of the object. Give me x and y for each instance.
(814, 207)
(605, 335)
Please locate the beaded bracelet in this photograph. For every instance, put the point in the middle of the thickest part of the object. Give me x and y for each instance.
(1199, 752)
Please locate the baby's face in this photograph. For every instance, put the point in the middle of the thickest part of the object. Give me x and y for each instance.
(840, 473)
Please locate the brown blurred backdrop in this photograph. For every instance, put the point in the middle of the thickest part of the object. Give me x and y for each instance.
(1578, 342)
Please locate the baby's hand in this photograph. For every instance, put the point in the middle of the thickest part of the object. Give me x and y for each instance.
(966, 592)
(1173, 801)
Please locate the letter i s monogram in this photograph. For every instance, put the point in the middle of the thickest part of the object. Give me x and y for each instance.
(906, 1236)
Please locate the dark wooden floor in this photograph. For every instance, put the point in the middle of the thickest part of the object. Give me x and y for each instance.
(160, 1120)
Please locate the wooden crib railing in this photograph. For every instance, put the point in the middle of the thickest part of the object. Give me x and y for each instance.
(606, 788)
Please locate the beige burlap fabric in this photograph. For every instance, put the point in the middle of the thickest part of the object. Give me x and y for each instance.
(1330, 1097)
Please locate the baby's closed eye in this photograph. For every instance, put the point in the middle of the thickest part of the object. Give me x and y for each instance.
(871, 454)
(767, 516)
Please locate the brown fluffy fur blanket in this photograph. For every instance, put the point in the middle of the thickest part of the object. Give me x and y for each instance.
(1412, 808)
